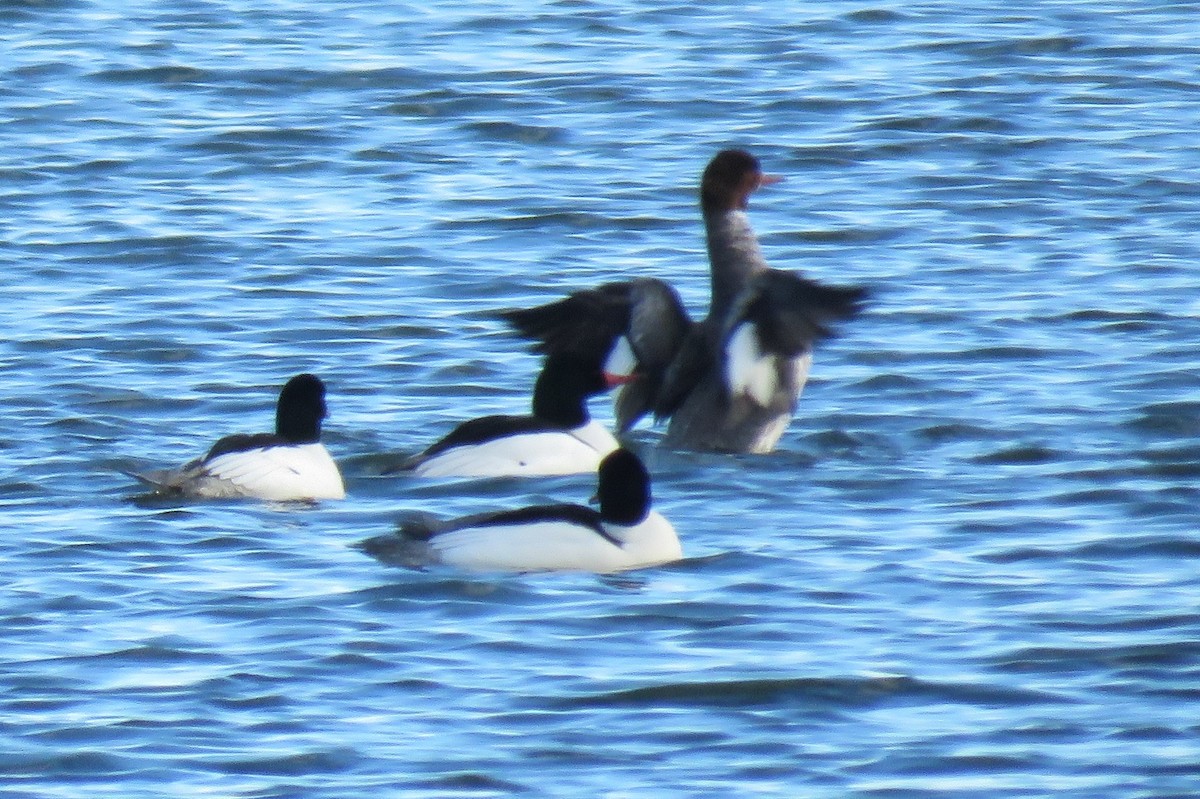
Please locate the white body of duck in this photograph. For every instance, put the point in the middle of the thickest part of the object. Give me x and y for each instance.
(558, 438)
(290, 464)
(625, 533)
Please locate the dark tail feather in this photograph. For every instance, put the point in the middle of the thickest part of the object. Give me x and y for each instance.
(419, 526)
(161, 480)
(408, 545)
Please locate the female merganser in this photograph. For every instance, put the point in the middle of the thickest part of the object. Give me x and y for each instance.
(559, 437)
(624, 534)
(728, 383)
(289, 464)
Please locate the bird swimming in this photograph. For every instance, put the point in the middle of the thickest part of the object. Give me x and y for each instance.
(625, 533)
(729, 382)
(288, 464)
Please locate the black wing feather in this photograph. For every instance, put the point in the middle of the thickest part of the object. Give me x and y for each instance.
(792, 312)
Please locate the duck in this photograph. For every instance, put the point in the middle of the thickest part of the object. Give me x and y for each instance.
(625, 533)
(729, 382)
(290, 464)
(559, 437)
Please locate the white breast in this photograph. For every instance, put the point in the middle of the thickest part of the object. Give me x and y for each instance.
(652, 541)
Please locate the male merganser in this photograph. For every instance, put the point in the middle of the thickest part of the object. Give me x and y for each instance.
(559, 437)
(289, 464)
(728, 383)
(624, 534)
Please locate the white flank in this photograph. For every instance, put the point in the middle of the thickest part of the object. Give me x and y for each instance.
(747, 370)
(558, 546)
(530, 454)
(283, 473)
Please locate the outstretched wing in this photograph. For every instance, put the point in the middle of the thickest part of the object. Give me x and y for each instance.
(772, 325)
(584, 324)
(791, 312)
(644, 318)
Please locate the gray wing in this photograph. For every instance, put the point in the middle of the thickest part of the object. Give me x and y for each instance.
(658, 331)
(588, 324)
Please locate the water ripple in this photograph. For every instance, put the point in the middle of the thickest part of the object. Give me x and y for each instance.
(968, 570)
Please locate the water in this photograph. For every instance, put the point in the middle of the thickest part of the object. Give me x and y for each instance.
(969, 570)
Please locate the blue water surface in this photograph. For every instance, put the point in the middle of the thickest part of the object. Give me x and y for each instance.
(970, 569)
